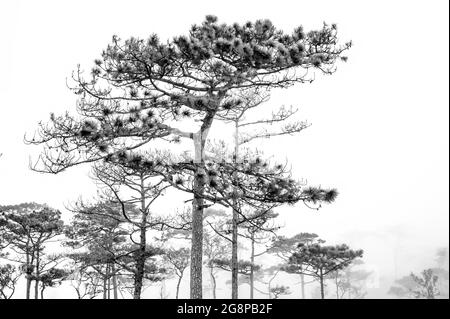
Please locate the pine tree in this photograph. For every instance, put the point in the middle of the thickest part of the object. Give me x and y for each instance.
(215, 247)
(145, 187)
(283, 247)
(252, 99)
(53, 277)
(9, 275)
(179, 261)
(421, 286)
(258, 227)
(139, 88)
(27, 228)
(350, 281)
(319, 260)
(99, 229)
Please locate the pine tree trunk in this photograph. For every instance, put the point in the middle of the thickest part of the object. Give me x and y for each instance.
(28, 272)
(322, 289)
(197, 210)
(178, 287)
(252, 260)
(197, 238)
(78, 293)
(36, 289)
(105, 281)
(42, 292)
(162, 290)
(213, 281)
(234, 239)
(234, 255)
(302, 284)
(139, 276)
(109, 281)
(337, 286)
(114, 281)
(28, 293)
(140, 262)
(36, 283)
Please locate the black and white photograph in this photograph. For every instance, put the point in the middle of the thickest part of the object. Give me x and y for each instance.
(220, 151)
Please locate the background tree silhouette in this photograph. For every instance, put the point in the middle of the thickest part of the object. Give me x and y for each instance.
(9, 275)
(179, 261)
(284, 247)
(318, 260)
(27, 228)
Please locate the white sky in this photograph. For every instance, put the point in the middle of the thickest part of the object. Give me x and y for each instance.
(380, 124)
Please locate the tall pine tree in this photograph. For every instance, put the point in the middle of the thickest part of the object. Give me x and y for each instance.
(140, 88)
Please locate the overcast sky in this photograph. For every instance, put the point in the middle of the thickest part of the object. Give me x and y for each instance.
(379, 129)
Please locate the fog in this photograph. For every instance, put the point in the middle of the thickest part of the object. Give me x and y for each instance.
(379, 130)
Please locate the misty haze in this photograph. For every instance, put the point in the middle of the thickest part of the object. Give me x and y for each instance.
(217, 150)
